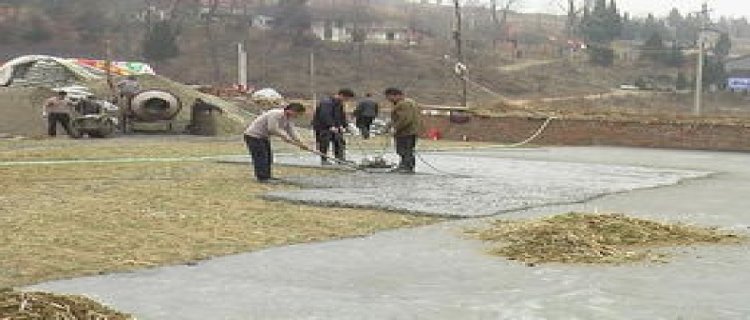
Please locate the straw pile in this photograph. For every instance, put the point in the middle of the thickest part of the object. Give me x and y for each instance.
(16, 305)
(590, 238)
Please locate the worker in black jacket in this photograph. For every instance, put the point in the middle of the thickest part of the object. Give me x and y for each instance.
(329, 123)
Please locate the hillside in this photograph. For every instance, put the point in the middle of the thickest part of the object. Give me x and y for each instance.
(275, 60)
(422, 71)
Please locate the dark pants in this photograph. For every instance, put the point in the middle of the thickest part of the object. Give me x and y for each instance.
(405, 149)
(260, 151)
(126, 112)
(364, 124)
(325, 138)
(63, 119)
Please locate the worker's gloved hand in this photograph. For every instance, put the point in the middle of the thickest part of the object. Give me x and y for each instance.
(44, 114)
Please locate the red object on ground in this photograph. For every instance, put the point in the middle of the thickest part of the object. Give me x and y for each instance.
(434, 134)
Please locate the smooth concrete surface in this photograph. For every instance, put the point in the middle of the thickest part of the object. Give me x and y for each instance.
(457, 185)
(436, 272)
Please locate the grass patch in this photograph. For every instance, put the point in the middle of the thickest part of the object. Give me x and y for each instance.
(43, 306)
(82, 219)
(593, 238)
(125, 147)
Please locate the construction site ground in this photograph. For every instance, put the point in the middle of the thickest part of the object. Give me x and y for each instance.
(190, 208)
(79, 207)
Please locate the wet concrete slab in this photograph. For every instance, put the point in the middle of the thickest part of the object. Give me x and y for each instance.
(457, 185)
(437, 272)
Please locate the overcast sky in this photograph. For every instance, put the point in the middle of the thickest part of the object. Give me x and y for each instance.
(729, 8)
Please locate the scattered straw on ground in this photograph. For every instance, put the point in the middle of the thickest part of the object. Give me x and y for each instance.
(15, 305)
(590, 238)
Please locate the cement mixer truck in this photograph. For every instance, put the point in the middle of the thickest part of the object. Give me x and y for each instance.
(151, 110)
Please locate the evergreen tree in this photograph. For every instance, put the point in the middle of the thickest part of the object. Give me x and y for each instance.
(602, 24)
(91, 23)
(723, 46)
(614, 21)
(741, 27)
(293, 19)
(675, 18)
(37, 31)
(652, 25)
(682, 81)
(161, 42)
(654, 48)
(630, 27)
(687, 31)
(601, 55)
(675, 58)
(713, 71)
(723, 25)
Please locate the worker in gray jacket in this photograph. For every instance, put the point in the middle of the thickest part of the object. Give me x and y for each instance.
(366, 111)
(57, 109)
(128, 88)
(276, 122)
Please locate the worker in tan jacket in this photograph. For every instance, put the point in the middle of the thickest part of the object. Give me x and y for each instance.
(406, 124)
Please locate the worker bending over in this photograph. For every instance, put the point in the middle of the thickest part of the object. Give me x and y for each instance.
(276, 122)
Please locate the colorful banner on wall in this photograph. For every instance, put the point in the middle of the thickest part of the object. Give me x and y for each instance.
(119, 68)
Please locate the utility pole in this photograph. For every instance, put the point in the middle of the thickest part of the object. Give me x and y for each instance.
(358, 41)
(241, 67)
(108, 65)
(312, 79)
(460, 66)
(703, 14)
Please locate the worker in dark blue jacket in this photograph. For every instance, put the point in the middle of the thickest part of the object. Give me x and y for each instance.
(329, 123)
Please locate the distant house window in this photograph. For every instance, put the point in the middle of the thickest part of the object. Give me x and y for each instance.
(390, 36)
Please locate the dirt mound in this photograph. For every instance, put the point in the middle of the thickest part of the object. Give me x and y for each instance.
(16, 305)
(591, 238)
(619, 105)
(21, 111)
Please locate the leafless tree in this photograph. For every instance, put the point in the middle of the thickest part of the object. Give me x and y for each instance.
(213, 47)
(500, 23)
(572, 12)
